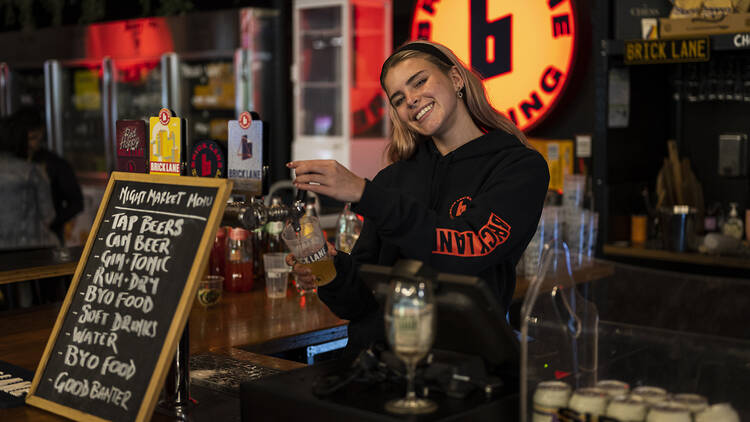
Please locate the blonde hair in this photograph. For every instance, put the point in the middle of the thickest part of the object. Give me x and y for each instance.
(404, 141)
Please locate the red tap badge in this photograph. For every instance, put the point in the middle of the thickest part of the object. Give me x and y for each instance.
(523, 49)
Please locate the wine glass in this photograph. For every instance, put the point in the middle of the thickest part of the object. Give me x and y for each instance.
(410, 329)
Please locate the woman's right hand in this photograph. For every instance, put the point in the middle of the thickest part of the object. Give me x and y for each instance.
(302, 274)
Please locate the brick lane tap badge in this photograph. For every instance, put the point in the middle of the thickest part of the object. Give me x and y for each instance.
(166, 144)
(131, 146)
(524, 50)
(208, 159)
(245, 152)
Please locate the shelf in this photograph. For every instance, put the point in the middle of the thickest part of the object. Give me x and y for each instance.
(720, 42)
(317, 85)
(585, 274)
(680, 257)
(331, 32)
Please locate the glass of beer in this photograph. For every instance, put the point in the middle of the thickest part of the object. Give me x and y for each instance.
(308, 245)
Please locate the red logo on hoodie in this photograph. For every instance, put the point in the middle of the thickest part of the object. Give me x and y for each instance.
(469, 243)
(459, 206)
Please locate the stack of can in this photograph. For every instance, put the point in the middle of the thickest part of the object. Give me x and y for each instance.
(612, 400)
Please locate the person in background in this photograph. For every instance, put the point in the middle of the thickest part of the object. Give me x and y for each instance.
(26, 208)
(464, 192)
(28, 125)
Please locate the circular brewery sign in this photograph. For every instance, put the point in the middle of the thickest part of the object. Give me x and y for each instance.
(524, 50)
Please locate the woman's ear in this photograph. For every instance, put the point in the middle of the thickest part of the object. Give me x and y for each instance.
(458, 81)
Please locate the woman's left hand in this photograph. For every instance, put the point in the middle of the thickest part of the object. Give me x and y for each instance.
(328, 177)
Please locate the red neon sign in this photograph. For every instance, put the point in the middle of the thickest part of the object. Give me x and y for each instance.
(523, 49)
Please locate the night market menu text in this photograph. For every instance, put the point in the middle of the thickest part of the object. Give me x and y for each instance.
(122, 310)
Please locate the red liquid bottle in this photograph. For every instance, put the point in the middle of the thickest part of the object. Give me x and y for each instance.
(239, 269)
(218, 258)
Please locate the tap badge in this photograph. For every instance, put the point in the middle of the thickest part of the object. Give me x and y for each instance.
(524, 50)
(207, 159)
(166, 143)
(245, 153)
(131, 146)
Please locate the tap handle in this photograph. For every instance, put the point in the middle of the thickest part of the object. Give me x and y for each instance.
(298, 209)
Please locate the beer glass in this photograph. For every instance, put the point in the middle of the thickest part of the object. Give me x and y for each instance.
(694, 402)
(410, 330)
(591, 401)
(669, 412)
(549, 397)
(614, 388)
(627, 409)
(308, 245)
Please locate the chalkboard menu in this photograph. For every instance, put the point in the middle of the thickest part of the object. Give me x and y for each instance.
(130, 297)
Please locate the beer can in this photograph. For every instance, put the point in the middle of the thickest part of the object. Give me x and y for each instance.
(651, 395)
(548, 398)
(592, 401)
(720, 412)
(694, 402)
(614, 388)
(669, 412)
(627, 409)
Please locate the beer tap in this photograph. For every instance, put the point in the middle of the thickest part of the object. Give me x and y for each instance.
(254, 214)
(298, 209)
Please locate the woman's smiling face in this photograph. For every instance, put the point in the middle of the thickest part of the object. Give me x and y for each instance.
(423, 96)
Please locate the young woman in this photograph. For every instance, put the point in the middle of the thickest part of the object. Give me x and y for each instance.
(463, 194)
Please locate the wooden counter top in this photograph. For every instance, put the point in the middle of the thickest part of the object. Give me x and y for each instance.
(240, 319)
(37, 263)
(681, 257)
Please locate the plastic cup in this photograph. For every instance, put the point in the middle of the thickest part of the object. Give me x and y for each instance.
(277, 274)
(308, 245)
(209, 290)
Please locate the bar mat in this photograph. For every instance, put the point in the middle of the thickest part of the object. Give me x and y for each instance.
(224, 373)
(14, 385)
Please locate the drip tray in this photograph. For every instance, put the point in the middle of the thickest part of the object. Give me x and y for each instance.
(224, 373)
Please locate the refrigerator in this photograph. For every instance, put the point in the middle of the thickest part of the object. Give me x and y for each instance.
(206, 66)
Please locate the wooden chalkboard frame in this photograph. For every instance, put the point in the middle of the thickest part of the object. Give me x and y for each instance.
(180, 317)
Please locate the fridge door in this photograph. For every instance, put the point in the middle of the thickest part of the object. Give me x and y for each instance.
(4, 90)
(20, 87)
(208, 94)
(75, 115)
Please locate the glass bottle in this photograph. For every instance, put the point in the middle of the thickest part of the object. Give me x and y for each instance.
(348, 228)
(274, 229)
(239, 270)
(258, 244)
(217, 260)
(733, 226)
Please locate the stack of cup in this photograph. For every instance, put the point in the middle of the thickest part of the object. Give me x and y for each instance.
(574, 187)
(591, 235)
(277, 274)
(547, 232)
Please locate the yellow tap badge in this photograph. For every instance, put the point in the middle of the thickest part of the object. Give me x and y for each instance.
(165, 148)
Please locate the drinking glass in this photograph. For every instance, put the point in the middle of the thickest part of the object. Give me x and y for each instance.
(209, 290)
(410, 330)
(277, 274)
(308, 245)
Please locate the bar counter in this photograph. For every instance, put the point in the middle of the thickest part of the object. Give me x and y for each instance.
(239, 323)
(240, 319)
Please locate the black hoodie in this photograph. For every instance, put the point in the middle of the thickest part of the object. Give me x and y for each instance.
(472, 211)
